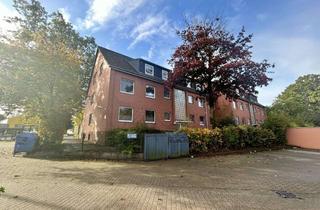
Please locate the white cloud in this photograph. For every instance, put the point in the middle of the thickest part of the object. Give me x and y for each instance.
(65, 13)
(102, 11)
(151, 27)
(6, 27)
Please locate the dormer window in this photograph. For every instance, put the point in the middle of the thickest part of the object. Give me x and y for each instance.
(164, 75)
(149, 69)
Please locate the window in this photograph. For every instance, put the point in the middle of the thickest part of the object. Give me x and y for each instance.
(125, 114)
(191, 117)
(190, 99)
(236, 120)
(148, 69)
(150, 92)
(241, 106)
(201, 102)
(164, 75)
(89, 137)
(150, 118)
(90, 119)
(166, 93)
(126, 86)
(167, 116)
(201, 120)
(234, 105)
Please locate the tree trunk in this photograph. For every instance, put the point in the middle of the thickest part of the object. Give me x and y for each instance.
(212, 99)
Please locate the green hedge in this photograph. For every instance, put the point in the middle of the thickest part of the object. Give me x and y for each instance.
(278, 123)
(118, 138)
(231, 137)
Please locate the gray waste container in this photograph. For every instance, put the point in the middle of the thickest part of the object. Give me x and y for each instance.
(25, 142)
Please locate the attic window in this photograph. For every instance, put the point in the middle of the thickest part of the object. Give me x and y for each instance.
(149, 69)
(164, 75)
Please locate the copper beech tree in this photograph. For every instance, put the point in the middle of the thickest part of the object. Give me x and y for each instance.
(217, 62)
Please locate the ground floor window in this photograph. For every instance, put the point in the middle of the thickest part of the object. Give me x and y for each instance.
(150, 116)
(201, 120)
(125, 114)
(191, 117)
(167, 116)
(236, 120)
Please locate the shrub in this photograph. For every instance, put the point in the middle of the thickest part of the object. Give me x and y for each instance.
(231, 137)
(118, 138)
(2, 189)
(278, 123)
(226, 121)
(203, 139)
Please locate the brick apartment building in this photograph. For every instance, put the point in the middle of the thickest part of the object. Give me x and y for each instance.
(124, 92)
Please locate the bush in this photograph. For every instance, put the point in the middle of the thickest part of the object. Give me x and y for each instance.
(226, 121)
(204, 140)
(278, 123)
(231, 138)
(118, 138)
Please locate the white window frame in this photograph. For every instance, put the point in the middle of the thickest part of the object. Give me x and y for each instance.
(190, 97)
(241, 106)
(165, 75)
(154, 95)
(148, 66)
(200, 104)
(234, 105)
(167, 120)
(154, 117)
(132, 86)
(125, 120)
(237, 120)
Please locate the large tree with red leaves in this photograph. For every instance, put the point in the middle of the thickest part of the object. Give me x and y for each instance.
(217, 62)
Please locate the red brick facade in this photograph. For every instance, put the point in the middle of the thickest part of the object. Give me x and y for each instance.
(104, 99)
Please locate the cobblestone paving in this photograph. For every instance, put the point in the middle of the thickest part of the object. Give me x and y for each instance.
(225, 182)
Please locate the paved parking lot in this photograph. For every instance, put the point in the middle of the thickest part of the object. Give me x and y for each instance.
(225, 182)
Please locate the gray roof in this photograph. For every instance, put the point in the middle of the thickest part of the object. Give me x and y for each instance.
(125, 64)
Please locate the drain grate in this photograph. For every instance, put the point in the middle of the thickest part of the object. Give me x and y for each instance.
(285, 194)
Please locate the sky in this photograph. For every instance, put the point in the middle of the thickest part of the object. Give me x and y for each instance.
(286, 32)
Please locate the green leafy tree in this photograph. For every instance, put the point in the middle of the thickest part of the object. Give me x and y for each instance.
(45, 67)
(301, 101)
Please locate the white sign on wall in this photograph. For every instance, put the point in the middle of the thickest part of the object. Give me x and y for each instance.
(131, 135)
